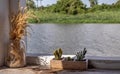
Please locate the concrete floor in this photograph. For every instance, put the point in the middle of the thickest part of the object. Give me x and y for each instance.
(37, 70)
(92, 72)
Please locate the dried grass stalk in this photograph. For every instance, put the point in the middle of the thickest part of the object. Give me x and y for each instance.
(18, 25)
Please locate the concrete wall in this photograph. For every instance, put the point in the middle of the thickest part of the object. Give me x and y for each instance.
(4, 29)
(6, 7)
(13, 5)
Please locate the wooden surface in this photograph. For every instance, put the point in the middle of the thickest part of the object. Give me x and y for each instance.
(68, 65)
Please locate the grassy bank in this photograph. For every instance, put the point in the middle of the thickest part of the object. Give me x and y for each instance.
(92, 17)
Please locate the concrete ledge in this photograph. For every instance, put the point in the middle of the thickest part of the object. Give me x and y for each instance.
(41, 60)
(93, 62)
(32, 60)
(104, 62)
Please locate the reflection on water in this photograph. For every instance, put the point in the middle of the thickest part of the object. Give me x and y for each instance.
(99, 39)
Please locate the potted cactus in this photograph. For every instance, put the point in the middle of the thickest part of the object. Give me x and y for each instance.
(67, 63)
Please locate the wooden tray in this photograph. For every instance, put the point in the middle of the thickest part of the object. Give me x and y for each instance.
(68, 65)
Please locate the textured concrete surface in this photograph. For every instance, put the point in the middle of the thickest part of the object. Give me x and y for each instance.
(25, 70)
(38, 70)
(17, 71)
(91, 72)
(4, 30)
(6, 6)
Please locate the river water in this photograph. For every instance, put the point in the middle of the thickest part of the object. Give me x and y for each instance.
(98, 39)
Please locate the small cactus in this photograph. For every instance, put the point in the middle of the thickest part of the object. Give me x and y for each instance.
(81, 55)
(58, 54)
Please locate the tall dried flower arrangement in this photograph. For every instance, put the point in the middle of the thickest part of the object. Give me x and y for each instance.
(16, 53)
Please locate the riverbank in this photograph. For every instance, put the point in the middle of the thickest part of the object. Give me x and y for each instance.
(91, 17)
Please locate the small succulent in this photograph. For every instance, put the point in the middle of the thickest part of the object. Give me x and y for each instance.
(68, 59)
(58, 54)
(81, 55)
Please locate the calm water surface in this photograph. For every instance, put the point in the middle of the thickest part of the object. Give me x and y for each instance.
(99, 39)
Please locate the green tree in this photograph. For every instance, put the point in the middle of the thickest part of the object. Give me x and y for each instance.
(117, 3)
(69, 7)
(93, 3)
(30, 4)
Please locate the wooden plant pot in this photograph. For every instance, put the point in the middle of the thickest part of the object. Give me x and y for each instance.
(68, 65)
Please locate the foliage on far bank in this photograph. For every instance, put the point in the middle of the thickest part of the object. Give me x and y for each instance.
(74, 11)
(30, 4)
(69, 7)
(91, 17)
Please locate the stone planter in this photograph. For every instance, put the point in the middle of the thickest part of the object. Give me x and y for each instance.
(68, 65)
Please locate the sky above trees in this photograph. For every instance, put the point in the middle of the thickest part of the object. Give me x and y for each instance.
(50, 2)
